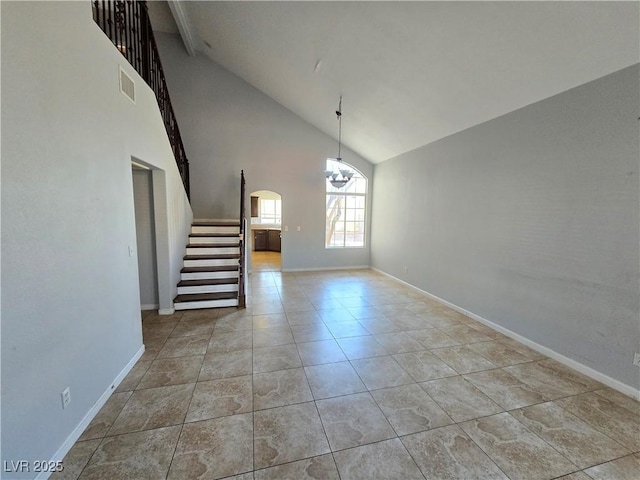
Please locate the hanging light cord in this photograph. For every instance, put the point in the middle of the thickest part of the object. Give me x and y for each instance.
(340, 178)
(339, 115)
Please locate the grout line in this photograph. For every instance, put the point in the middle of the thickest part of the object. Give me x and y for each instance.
(175, 448)
(306, 287)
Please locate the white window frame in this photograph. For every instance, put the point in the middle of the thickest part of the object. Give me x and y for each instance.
(341, 210)
(274, 219)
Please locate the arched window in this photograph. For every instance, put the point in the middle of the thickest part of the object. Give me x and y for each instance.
(346, 213)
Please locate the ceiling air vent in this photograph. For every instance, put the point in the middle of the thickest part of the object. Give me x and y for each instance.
(127, 86)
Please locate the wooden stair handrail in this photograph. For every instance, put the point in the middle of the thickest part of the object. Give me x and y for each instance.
(243, 253)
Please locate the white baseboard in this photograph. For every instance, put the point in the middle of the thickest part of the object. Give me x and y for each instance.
(166, 311)
(324, 269)
(150, 306)
(588, 371)
(71, 439)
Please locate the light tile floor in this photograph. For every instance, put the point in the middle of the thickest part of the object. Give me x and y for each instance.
(350, 375)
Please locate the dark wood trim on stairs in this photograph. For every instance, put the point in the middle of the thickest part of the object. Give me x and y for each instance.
(231, 223)
(216, 235)
(214, 245)
(220, 256)
(208, 281)
(212, 268)
(203, 297)
(211, 276)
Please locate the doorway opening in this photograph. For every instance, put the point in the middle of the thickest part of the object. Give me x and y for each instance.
(145, 236)
(152, 237)
(266, 231)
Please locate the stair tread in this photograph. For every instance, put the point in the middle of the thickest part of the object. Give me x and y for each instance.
(210, 268)
(212, 256)
(213, 245)
(204, 297)
(208, 281)
(216, 235)
(216, 224)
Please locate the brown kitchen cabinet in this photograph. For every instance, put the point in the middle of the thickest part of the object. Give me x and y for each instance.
(274, 241)
(266, 240)
(260, 240)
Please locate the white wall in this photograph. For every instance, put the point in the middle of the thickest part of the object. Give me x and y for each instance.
(530, 221)
(70, 303)
(227, 125)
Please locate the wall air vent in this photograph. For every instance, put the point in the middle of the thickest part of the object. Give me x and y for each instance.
(127, 86)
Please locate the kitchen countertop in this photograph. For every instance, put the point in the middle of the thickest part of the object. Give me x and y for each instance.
(265, 226)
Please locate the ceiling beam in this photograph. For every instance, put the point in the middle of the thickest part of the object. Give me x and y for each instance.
(185, 27)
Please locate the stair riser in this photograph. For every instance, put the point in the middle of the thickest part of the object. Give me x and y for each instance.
(196, 229)
(232, 302)
(207, 275)
(212, 250)
(208, 289)
(210, 263)
(213, 240)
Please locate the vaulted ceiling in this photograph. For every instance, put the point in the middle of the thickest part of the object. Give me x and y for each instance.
(410, 72)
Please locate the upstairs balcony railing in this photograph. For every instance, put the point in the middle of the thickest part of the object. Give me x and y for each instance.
(127, 25)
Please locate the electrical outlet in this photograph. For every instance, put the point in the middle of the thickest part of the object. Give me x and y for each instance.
(298, 228)
(130, 250)
(66, 397)
(406, 269)
(636, 359)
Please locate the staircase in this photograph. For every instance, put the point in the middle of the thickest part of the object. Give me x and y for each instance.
(210, 277)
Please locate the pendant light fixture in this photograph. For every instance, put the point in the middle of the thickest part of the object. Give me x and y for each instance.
(342, 176)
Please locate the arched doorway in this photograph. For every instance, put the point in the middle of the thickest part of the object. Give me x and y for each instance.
(266, 231)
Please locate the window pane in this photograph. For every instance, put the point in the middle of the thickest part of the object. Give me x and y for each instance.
(334, 217)
(350, 187)
(345, 209)
(270, 211)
